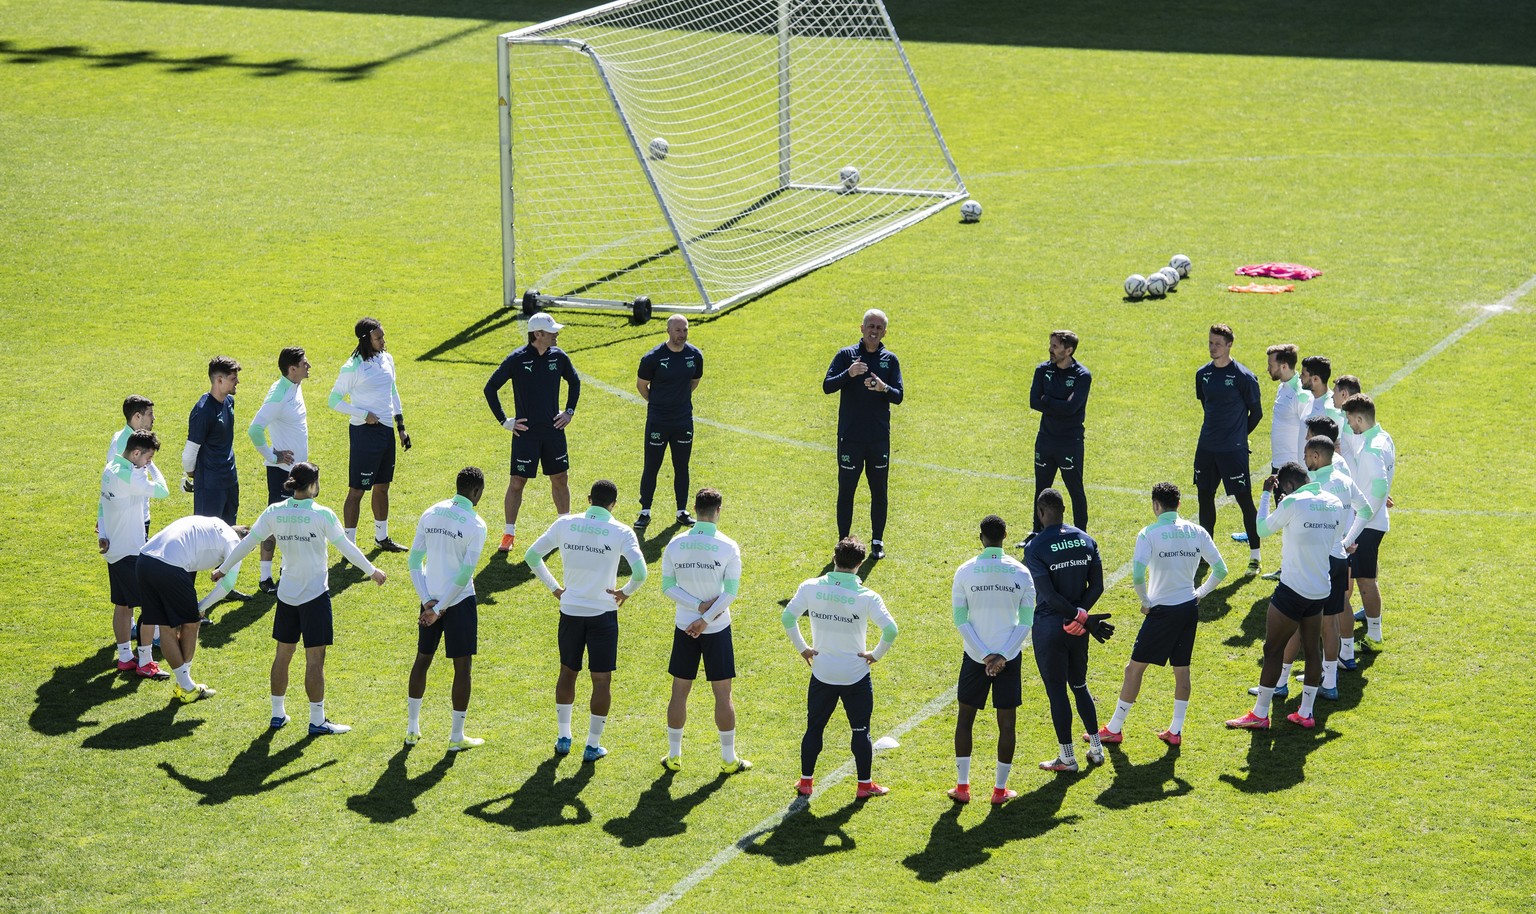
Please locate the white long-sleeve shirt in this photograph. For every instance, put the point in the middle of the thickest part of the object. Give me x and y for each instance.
(282, 417)
(1375, 467)
(1167, 555)
(303, 529)
(1287, 422)
(841, 609)
(125, 494)
(698, 565)
(993, 599)
(367, 386)
(1336, 482)
(449, 539)
(120, 441)
(1312, 522)
(590, 545)
(196, 543)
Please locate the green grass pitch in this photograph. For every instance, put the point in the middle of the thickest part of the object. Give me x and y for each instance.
(185, 180)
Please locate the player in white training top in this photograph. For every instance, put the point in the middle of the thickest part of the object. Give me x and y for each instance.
(993, 599)
(168, 565)
(283, 420)
(590, 546)
(701, 574)
(128, 482)
(367, 392)
(1164, 564)
(449, 539)
(1292, 404)
(303, 531)
(1375, 467)
(841, 610)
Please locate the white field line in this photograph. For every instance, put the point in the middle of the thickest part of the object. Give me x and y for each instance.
(1239, 160)
(943, 699)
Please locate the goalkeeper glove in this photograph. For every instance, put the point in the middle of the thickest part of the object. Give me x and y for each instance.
(1101, 630)
(186, 483)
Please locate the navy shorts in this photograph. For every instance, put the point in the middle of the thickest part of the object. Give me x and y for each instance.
(597, 636)
(1293, 605)
(372, 457)
(220, 502)
(1362, 562)
(276, 476)
(1066, 456)
(1338, 586)
(1167, 635)
(1229, 468)
(169, 595)
(714, 649)
(310, 620)
(457, 628)
(123, 577)
(1006, 688)
(540, 447)
(855, 456)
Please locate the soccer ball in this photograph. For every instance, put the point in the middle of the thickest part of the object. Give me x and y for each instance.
(1181, 263)
(848, 176)
(1157, 285)
(1171, 275)
(970, 211)
(1135, 286)
(659, 149)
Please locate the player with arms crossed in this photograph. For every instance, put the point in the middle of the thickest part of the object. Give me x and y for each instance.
(590, 545)
(282, 417)
(867, 378)
(128, 482)
(841, 609)
(538, 429)
(366, 391)
(167, 569)
(1060, 394)
(449, 539)
(1229, 392)
(701, 575)
(1167, 557)
(994, 600)
(1375, 467)
(303, 530)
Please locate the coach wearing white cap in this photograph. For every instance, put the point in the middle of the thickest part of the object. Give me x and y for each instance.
(537, 424)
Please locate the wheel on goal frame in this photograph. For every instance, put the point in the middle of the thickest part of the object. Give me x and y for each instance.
(531, 303)
(640, 310)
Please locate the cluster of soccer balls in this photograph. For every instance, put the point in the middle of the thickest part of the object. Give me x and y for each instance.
(1158, 284)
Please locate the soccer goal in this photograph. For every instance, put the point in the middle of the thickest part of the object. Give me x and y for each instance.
(701, 152)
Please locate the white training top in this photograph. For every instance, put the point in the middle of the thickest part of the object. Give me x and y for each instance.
(1348, 444)
(283, 418)
(700, 564)
(1312, 521)
(120, 441)
(369, 386)
(1287, 422)
(1167, 555)
(1336, 482)
(590, 545)
(1374, 468)
(994, 601)
(125, 494)
(840, 609)
(303, 529)
(196, 543)
(449, 539)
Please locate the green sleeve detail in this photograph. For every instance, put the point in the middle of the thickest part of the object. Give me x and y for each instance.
(888, 633)
(336, 396)
(668, 582)
(1365, 512)
(101, 515)
(351, 364)
(124, 472)
(258, 435)
(962, 615)
(161, 489)
(278, 390)
(1262, 526)
(732, 586)
(533, 559)
(1219, 570)
(1139, 573)
(417, 558)
(466, 571)
(1379, 488)
(790, 618)
(638, 574)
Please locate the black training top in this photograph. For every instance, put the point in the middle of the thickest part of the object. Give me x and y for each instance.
(1060, 395)
(212, 425)
(671, 375)
(1064, 561)
(535, 385)
(1232, 407)
(864, 414)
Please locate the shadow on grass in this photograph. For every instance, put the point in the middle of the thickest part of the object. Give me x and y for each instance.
(1253, 625)
(1137, 784)
(343, 574)
(75, 690)
(393, 796)
(249, 773)
(610, 330)
(953, 849)
(1218, 603)
(803, 834)
(657, 543)
(153, 728)
(231, 617)
(659, 814)
(541, 801)
(1277, 757)
(503, 572)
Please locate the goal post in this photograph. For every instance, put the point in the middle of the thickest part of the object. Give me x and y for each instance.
(702, 152)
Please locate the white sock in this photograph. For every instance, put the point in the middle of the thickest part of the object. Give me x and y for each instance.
(351, 535)
(563, 717)
(645, 512)
(1261, 704)
(1179, 709)
(458, 726)
(728, 746)
(1093, 742)
(1308, 695)
(1253, 554)
(674, 742)
(125, 652)
(278, 709)
(1002, 774)
(381, 530)
(1285, 675)
(317, 713)
(962, 770)
(509, 529)
(146, 653)
(266, 571)
(184, 676)
(1373, 628)
(1117, 722)
(413, 715)
(595, 730)
(1347, 648)
(1330, 674)
(1067, 753)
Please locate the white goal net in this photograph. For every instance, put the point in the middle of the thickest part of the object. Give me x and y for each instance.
(701, 152)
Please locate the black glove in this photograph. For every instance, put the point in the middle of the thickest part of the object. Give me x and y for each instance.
(1099, 628)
